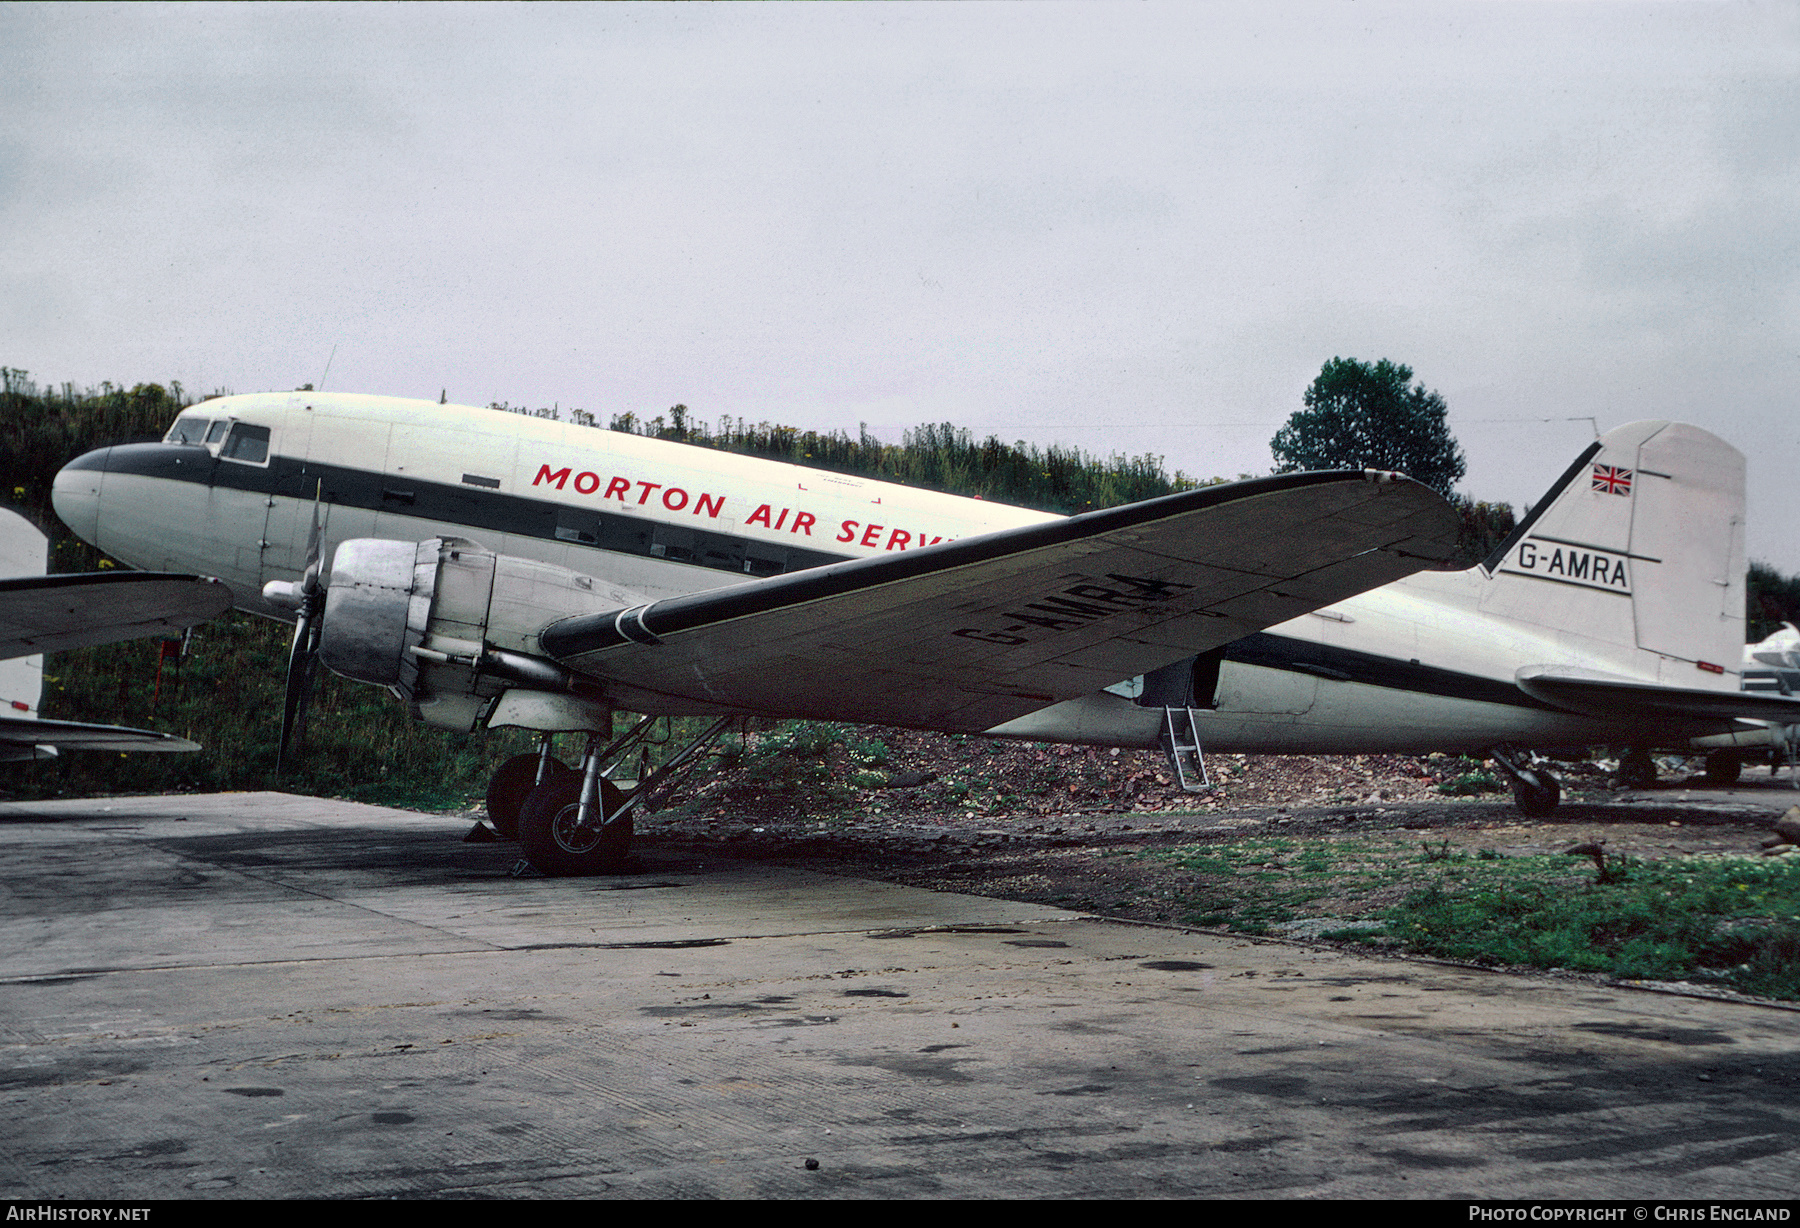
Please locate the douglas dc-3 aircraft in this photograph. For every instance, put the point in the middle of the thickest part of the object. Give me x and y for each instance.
(499, 569)
(41, 613)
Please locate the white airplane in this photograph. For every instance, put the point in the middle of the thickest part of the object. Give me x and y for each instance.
(1771, 667)
(499, 569)
(42, 613)
(1774, 661)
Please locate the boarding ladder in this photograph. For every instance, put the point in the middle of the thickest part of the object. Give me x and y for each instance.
(1181, 740)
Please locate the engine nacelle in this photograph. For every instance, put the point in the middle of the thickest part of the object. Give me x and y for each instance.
(450, 627)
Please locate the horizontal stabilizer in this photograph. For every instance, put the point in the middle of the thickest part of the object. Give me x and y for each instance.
(57, 613)
(1593, 693)
(972, 633)
(16, 732)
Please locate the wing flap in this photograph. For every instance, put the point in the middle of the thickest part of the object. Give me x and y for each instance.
(972, 633)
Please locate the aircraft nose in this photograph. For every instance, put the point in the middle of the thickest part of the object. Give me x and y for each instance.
(76, 493)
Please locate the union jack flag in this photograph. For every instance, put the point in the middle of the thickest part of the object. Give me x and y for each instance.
(1612, 480)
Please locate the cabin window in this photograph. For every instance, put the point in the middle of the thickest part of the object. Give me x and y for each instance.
(247, 443)
(721, 553)
(188, 430)
(676, 545)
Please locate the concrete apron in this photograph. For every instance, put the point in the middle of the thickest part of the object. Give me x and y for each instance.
(255, 995)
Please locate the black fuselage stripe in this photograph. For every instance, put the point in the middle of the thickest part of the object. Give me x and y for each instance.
(1271, 651)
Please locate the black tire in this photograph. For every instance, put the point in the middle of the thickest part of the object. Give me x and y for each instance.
(1637, 770)
(512, 783)
(1537, 795)
(1723, 767)
(553, 843)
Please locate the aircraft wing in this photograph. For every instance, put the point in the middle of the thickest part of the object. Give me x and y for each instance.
(20, 738)
(56, 613)
(1593, 693)
(969, 634)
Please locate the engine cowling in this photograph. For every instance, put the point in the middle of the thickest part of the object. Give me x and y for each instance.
(451, 627)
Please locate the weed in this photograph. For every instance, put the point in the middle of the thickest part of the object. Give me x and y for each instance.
(802, 759)
(1726, 920)
(1471, 783)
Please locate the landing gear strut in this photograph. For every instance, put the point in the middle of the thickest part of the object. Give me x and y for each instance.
(515, 780)
(578, 823)
(1535, 791)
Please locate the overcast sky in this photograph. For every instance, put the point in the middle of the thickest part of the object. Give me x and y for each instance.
(1129, 227)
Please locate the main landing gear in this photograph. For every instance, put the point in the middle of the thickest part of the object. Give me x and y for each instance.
(1535, 791)
(513, 783)
(576, 822)
(561, 841)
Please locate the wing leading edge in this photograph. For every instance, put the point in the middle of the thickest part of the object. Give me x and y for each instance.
(60, 612)
(970, 634)
(22, 738)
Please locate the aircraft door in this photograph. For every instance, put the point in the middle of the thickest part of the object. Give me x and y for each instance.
(1192, 683)
(241, 466)
(288, 520)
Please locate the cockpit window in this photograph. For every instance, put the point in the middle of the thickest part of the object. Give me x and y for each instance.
(187, 430)
(246, 443)
(218, 429)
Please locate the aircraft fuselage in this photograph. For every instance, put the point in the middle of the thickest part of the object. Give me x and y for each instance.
(1425, 663)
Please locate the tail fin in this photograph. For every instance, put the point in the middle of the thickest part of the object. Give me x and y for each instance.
(1640, 547)
(22, 553)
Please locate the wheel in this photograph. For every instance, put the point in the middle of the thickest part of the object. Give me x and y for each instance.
(1723, 766)
(1537, 794)
(554, 841)
(1636, 769)
(512, 783)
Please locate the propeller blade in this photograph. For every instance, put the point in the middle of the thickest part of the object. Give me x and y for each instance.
(309, 580)
(299, 685)
(308, 628)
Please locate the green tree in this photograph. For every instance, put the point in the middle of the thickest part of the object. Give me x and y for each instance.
(1770, 599)
(1362, 415)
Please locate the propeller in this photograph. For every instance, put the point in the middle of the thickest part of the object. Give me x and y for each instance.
(308, 599)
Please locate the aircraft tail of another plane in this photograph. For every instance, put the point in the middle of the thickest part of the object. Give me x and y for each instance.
(23, 552)
(1636, 554)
